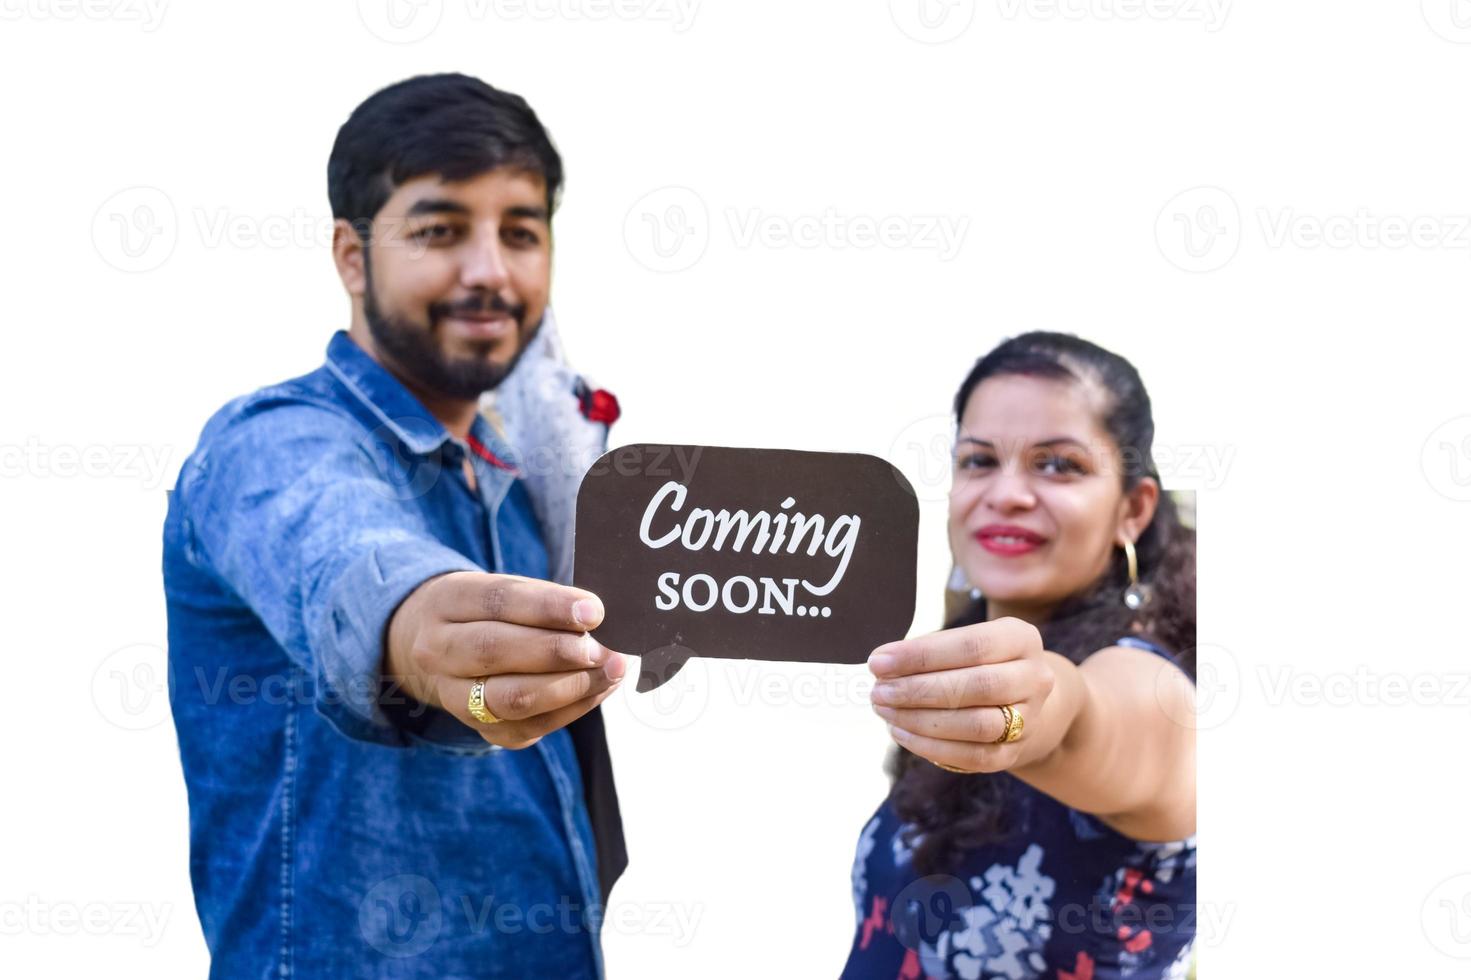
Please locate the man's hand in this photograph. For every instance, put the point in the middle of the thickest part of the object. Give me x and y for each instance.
(941, 694)
(526, 637)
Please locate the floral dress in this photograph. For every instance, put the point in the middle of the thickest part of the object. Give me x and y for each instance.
(1067, 898)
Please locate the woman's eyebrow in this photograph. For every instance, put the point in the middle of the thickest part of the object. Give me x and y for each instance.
(1059, 440)
(1055, 440)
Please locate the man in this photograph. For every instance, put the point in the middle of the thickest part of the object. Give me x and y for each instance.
(387, 716)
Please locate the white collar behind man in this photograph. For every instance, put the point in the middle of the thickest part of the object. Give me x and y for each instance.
(538, 410)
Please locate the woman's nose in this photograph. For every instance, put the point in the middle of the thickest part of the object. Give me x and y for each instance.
(1009, 490)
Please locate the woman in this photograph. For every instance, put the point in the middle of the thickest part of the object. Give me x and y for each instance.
(1041, 820)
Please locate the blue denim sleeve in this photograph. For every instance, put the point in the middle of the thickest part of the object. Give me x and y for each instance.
(288, 506)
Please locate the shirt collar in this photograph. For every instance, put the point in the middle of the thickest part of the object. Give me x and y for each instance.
(402, 413)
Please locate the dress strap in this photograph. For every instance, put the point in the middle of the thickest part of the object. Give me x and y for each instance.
(1143, 644)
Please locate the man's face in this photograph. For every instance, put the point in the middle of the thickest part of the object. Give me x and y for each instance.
(456, 278)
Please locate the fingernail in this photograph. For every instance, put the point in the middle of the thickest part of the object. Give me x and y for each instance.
(880, 663)
(898, 733)
(883, 693)
(614, 668)
(595, 651)
(587, 612)
(883, 711)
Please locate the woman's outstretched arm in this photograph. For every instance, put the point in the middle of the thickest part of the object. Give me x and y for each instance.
(1112, 737)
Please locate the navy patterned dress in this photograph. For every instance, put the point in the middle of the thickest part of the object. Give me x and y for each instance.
(1067, 898)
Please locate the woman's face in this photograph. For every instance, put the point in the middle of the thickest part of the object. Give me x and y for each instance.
(1036, 500)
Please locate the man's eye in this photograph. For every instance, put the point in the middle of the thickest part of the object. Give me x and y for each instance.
(523, 236)
(433, 233)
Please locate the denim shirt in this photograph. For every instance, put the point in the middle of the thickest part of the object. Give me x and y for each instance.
(335, 831)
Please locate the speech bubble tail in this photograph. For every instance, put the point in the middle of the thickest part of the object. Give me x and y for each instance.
(658, 667)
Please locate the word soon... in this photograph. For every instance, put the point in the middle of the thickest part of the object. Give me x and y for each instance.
(701, 592)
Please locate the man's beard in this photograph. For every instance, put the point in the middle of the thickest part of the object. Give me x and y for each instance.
(416, 352)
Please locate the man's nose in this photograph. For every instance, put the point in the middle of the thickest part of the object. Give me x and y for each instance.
(483, 264)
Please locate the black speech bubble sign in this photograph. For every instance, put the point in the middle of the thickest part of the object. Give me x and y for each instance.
(671, 539)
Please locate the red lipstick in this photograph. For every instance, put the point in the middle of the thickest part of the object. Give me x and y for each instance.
(1009, 540)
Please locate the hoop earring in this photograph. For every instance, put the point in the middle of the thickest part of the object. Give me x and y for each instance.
(959, 582)
(1134, 595)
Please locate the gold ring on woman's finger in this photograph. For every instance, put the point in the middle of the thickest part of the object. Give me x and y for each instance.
(1013, 718)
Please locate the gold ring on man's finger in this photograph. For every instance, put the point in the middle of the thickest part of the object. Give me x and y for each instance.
(478, 710)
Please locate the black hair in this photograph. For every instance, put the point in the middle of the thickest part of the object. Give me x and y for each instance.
(950, 813)
(450, 124)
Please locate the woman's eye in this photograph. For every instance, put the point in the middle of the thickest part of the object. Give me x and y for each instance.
(975, 462)
(523, 236)
(1059, 465)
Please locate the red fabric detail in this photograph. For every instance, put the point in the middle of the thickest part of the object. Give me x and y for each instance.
(909, 969)
(1082, 969)
(875, 920)
(602, 406)
(479, 448)
(1133, 879)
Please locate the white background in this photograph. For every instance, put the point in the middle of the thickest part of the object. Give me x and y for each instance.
(1263, 204)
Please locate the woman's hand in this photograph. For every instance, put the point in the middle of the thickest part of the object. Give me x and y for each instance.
(941, 694)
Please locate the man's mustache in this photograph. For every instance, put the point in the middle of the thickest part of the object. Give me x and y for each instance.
(479, 306)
